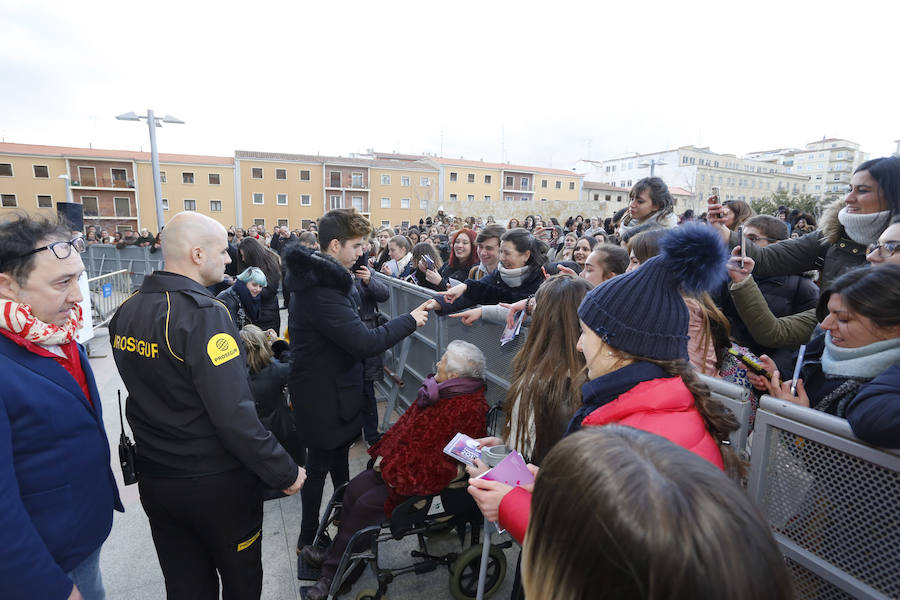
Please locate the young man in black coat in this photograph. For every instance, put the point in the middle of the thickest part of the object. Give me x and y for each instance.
(328, 344)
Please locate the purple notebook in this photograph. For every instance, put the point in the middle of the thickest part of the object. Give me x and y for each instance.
(511, 471)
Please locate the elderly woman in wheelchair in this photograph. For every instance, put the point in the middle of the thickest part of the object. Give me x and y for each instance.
(409, 459)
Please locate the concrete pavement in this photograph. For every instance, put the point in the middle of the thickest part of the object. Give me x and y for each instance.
(128, 560)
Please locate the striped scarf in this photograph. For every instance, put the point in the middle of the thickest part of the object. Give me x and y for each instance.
(18, 320)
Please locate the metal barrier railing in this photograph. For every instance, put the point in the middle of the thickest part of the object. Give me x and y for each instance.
(108, 291)
(412, 359)
(832, 502)
(100, 259)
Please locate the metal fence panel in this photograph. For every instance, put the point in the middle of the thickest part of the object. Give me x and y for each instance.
(736, 398)
(107, 293)
(832, 502)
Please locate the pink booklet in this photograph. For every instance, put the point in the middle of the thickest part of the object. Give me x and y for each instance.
(511, 471)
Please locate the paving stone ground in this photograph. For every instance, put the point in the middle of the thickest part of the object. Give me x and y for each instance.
(128, 559)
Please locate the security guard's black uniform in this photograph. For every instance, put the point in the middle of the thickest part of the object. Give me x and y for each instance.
(201, 449)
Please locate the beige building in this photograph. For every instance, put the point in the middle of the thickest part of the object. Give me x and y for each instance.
(828, 163)
(103, 182)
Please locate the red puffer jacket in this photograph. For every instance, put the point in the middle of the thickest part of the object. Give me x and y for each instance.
(662, 406)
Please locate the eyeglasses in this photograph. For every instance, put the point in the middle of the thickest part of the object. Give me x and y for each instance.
(885, 250)
(60, 250)
(755, 238)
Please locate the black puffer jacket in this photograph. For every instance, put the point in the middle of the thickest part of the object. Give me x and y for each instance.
(369, 296)
(329, 341)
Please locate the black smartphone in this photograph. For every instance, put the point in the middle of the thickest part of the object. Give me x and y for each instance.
(361, 262)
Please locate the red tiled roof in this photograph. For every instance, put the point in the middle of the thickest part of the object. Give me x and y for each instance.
(506, 167)
(70, 152)
(679, 191)
(596, 185)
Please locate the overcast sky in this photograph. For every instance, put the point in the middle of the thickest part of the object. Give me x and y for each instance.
(544, 83)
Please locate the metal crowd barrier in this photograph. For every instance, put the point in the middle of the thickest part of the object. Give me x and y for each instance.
(100, 259)
(414, 358)
(832, 501)
(107, 293)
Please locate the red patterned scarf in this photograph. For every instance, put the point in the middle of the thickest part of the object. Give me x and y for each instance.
(18, 320)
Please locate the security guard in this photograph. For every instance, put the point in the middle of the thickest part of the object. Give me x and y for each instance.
(201, 450)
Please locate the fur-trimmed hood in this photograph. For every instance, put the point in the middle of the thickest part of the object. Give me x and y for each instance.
(832, 230)
(307, 269)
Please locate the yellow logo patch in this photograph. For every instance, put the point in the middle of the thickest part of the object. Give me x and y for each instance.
(247, 543)
(222, 348)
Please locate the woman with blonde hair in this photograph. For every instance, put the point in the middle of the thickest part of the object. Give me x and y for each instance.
(268, 383)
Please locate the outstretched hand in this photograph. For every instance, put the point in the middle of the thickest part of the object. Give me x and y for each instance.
(468, 317)
(735, 270)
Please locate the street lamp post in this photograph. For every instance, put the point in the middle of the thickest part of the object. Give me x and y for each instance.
(152, 123)
(653, 163)
(69, 198)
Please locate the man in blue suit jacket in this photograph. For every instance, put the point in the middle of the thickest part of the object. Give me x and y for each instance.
(57, 491)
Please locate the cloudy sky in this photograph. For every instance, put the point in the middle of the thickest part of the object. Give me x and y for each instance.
(543, 83)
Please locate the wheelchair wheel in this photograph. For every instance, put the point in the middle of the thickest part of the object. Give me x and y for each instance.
(368, 595)
(464, 575)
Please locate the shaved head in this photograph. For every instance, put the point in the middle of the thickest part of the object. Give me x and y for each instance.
(189, 241)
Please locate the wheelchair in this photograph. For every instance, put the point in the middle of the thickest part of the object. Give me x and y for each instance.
(422, 516)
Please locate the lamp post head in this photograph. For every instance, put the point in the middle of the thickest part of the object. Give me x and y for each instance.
(171, 119)
(129, 116)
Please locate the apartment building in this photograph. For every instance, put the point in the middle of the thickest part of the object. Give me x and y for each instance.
(114, 187)
(828, 163)
(279, 189)
(697, 171)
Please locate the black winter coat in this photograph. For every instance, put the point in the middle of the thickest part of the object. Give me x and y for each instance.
(229, 297)
(369, 296)
(329, 341)
(269, 311)
(874, 414)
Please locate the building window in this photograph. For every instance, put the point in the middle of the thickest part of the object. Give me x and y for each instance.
(8, 201)
(425, 181)
(260, 223)
(187, 177)
(544, 181)
(281, 174)
(423, 204)
(404, 223)
(572, 185)
(471, 197)
(91, 207)
(619, 198)
(281, 199)
(452, 176)
(119, 177)
(558, 184)
(385, 203)
(258, 198)
(162, 177)
(336, 202)
(305, 200)
(487, 178)
(335, 177)
(404, 202)
(357, 203)
(470, 178)
(608, 197)
(214, 179)
(256, 173)
(487, 198)
(44, 201)
(282, 222)
(385, 180)
(509, 198)
(524, 183)
(6, 170)
(165, 203)
(123, 207)
(190, 205)
(404, 180)
(304, 175)
(41, 171)
(215, 206)
(509, 180)
(385, 223)
(523, 198)
(596, 197)
(452, 197)
(356, 180)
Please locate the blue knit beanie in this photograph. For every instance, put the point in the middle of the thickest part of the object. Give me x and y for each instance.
(643, 312)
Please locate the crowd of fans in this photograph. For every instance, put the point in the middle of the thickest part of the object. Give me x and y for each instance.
(622, 313)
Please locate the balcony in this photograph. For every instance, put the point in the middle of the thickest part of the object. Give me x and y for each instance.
(105, 183)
